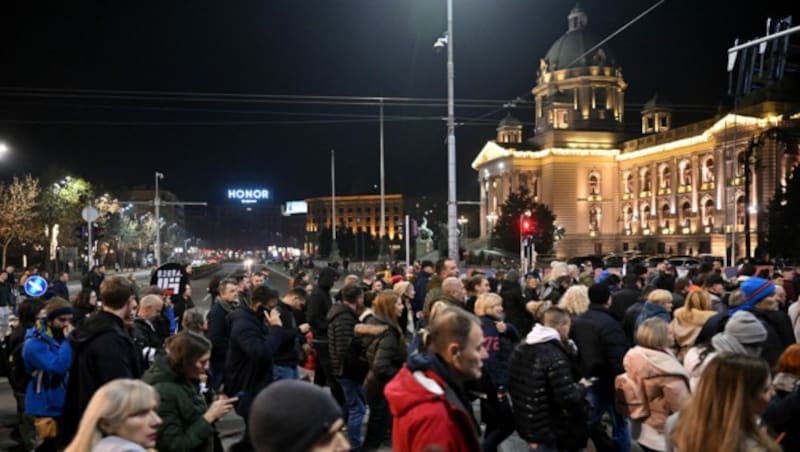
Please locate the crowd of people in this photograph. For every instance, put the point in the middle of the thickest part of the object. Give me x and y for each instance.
(566, 358)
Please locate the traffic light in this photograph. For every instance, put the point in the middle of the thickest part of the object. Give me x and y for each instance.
(527, 225)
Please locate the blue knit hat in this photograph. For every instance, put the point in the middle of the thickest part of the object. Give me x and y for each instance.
(754, 290)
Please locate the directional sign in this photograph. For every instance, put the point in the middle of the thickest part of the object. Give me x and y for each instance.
(89, 214)
(35, 286)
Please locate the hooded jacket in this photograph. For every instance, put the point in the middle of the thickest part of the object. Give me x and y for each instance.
(650, 310)
(780, 333)
(686, 326)
(429, 410)
(47, 360)
(248, 366)
(547, 398)
(665, 384)
(319, 303)
(102, 351)
(181, 408)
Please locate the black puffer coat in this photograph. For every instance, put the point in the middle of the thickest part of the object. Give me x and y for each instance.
(341, 320)
(548, 401)
(386, 354)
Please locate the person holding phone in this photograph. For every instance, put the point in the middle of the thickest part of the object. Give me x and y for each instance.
(256, 335)
(187, 420)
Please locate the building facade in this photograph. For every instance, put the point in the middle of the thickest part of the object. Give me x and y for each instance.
(354, 212)
(672, 190)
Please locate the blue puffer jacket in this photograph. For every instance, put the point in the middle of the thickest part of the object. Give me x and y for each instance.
(48, 361)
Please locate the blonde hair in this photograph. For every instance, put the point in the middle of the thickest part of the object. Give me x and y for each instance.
(537, 308)
(485, 303)
(654, 333)
(114, 402)
(698, 300)
(575, 300)
(660, 297)
(723, 401)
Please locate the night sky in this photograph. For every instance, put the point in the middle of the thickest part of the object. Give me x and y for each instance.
(319, 48)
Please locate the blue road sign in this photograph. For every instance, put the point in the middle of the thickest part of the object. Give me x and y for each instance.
(35, 286)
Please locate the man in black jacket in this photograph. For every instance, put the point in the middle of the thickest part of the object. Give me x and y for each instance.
(219, 331)
(145, 335)
(102, 351)
(342, 319)
(627, 296)
(514, 303)
(287, 358)
(319, 303)
(253, 343)
(545, 389)
(602, 346)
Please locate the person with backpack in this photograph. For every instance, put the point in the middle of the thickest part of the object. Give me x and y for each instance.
(654, 384)
(18, 376)
(48, 356)
(349, 370)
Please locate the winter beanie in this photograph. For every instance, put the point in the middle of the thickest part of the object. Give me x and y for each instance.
(56, 307)
(745, 328)
(754, 290)
(290, 416)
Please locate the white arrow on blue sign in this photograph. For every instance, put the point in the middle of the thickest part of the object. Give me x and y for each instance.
(35, 286)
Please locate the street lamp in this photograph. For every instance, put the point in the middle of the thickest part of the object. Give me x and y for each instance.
(452, 225)
(462, 223)
(3, 149)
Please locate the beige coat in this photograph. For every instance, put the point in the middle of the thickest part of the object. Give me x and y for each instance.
(685, 327)
(666, 386)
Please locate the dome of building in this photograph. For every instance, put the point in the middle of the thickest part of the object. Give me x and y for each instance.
(509, 121)
(574, 43)
(657, 102)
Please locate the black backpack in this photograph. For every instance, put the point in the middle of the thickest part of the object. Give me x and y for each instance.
(18, 377)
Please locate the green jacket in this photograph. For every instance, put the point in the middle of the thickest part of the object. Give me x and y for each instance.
(181, 408)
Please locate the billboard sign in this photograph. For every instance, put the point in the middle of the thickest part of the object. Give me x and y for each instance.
(295, 208)
(248, 195)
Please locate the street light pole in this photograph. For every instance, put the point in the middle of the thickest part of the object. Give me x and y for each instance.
(382, 233)
(452, 225)
(157, 204)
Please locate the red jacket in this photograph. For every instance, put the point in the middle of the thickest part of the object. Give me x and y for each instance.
(427, 415)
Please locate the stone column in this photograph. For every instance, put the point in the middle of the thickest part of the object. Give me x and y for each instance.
(484, 206)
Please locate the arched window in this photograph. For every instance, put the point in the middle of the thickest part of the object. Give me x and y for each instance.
(645, 216)
(708, 212)
(686, 172)
(686, 212)
(628, 182)
(594, 184)
(665, 215)
(645, 181)
(666, 178)
(627, 215)
(708, 170)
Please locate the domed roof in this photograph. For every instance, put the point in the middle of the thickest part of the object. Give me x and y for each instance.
(657, 102)
(574, 43)
(509, 121)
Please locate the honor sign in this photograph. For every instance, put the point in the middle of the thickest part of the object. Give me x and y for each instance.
(248, 195)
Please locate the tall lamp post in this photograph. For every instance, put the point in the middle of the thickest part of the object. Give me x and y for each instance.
(452, 223)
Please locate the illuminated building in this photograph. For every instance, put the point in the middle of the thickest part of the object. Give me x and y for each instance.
(355, 212)
(671, 190)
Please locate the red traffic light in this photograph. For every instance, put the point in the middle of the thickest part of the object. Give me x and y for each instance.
(527, 225)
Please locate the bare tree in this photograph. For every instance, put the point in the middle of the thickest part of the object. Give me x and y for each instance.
(18, 211)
